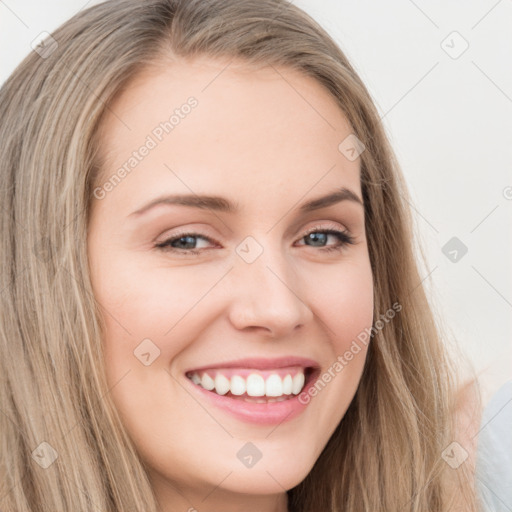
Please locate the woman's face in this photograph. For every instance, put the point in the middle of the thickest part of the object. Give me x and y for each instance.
(239, 298)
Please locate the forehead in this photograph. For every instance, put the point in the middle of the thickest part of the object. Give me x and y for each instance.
(251, 128)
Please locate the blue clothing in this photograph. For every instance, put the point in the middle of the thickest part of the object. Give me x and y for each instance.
(494, 452)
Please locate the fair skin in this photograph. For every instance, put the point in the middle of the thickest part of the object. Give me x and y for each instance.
(268, 142)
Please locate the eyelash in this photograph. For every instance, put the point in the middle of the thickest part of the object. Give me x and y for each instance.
(343, 236)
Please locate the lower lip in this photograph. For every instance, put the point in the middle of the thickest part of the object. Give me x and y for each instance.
(261, 414)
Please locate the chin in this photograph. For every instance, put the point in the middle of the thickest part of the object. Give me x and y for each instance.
(268, 476)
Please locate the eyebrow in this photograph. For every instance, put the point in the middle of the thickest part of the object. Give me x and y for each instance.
(221, 204)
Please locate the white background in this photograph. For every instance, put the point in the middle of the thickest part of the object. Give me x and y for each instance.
(450, 123)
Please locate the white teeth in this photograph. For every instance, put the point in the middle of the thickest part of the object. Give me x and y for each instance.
(254, 385)
(287, 385)
(238, 386)
(207, 382)
(221, 384)
(298, 383)
(274, 386)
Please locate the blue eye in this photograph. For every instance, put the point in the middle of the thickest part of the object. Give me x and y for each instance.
(343, 237)
(181, 244)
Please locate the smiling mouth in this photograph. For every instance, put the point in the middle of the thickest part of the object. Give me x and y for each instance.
(251, 385)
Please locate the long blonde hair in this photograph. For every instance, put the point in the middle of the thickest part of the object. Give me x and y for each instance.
(385, 455)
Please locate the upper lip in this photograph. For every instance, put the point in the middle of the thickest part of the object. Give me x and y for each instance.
(260, 363)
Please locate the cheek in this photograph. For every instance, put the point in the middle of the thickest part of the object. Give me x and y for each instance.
(345, 307)
(141, 303)
(343, 300)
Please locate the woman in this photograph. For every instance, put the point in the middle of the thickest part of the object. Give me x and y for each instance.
(260, 371)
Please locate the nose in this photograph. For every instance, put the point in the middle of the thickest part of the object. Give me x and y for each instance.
(266, 295)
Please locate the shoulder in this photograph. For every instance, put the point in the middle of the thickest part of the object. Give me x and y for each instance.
(494, 454)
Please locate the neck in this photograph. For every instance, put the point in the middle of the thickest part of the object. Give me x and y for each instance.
(170, 498)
